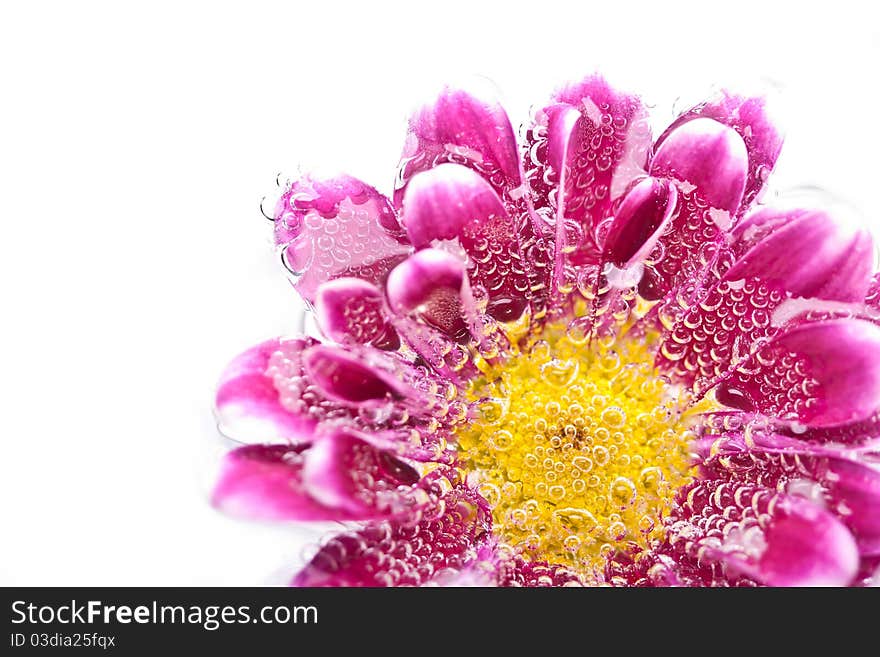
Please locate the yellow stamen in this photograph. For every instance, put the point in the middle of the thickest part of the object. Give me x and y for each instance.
(579, 446)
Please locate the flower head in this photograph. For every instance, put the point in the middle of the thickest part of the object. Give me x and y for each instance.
(595, 359)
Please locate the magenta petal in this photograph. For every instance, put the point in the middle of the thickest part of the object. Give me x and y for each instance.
(708, 155)
(451, 202)
(853, 490)
(872, 297)
(759, 223)
(429, 284)
(344, 377)
(248, 405)
(774, 538)
(265, 482)
(812, 255)
(350, 310)
(847, 488)
(334, 227)
(435, 312)
(342, 472)
(463, 128)
(535, 574)
(750, 118)
(805, 546)
(403, 554)
(337, 478)
(853, 433)
(818, 374)
(781, 254)
(598, 140)
(639, 222)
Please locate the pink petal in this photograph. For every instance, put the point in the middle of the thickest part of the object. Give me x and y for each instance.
(776, 539)
(464, 128)
(451, 202)
(597, 143)
(335, 227)
(818, 374)
(342, 376)
(346, 473)
(709, 162)
(639, 222)
(403, 554)
(812, 255)
(806, 546)
(848, 489)
(521, 573)
(337, 478)
(437, 315)
(265, 482)
(852, 433)
(853, 491)
(750, 118)
(269, 395)
(709, 156)
(435, 307)
(350, 310)
(249, 406)
(494, 565)
(782, 254)
(670, 565)
(384, 397)
(872, 298)
(761, 222)
(429, 284)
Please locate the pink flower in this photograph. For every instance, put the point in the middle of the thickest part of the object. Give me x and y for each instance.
(593, 359)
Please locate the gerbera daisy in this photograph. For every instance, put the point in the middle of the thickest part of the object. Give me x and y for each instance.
(593, 360)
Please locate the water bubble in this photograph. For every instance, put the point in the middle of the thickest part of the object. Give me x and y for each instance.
(560, 373)
(622, 492)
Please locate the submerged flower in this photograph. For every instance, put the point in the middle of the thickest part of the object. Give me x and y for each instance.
(593, 360)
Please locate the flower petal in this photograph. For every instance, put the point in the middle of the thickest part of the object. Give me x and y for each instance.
(268, 395)
(812, 255)
(782, 254)
(872, 298)
(327, 228)
(451, 202)
(776, 539)
(265, 482)
(852, 433)
(403, 554)
(639, 222)
(336, 478)
(594, 141)
(350, 310)
(429, 284)
(849, 489)
(343, 472)
(761, 222)
(749, 116)
(708, 155)
(344, 377)
(667, 565)
(248, 406)
(465, 128)
(390, 403)
(437, 315)
(817, 374)
(853, 491)
(709, 163)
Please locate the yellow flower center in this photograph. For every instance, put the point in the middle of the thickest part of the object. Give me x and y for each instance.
(579, 446)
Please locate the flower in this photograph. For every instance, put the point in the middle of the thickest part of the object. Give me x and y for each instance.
(595, 360)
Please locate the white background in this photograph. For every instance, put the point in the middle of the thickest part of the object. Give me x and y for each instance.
(135, 145)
